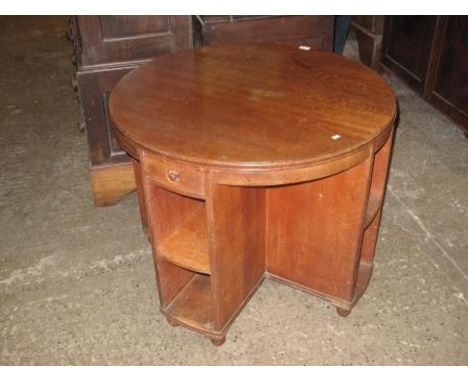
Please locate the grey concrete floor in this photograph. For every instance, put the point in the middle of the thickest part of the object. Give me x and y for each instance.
(77, 282)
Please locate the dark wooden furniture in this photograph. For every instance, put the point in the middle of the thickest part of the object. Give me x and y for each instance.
(430, 53)
(369, 32)
(314, 31)
(256, 160)
(108, 47)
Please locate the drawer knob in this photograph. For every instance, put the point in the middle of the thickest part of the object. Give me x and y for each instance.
(173, 175)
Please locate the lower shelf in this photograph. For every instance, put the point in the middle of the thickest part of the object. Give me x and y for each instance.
(187, 247)
(192, 306)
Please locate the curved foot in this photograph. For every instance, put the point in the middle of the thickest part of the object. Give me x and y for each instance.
(343, 312)
(218, 341)
(171, 321)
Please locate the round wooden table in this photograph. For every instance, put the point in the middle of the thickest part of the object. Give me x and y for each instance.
(254, 161)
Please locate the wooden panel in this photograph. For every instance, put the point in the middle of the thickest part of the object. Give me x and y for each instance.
(179, 177)
(369, 241)
(407, 47)
(111, 39)
(430, 53)
(314, 231)
(380, 170)
(369, 47)
(316, 31)
(453, 67)
(168, 209)
(237, 247)
(188, 245)
(374, 208)
(132, 26)
(379, 180)
(270, 178)
(371, 23)
(369, 30)
(449, 89)
(141, 196)
(171, 279)
(193, 306)
(94, 88)
(257, 106)
(115, 148)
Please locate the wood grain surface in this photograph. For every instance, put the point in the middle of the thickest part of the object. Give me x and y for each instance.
(256, 161)
(252, 106)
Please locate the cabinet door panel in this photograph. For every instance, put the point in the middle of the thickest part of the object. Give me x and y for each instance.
(452, 75)
(94, 88)
(126, 26)
(112, 39)
(407, 47)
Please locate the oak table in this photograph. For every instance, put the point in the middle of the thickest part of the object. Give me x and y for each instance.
(254, 161)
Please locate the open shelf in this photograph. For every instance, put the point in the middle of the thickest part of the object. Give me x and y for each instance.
(373, 207)
(187, 246)
(192, 306)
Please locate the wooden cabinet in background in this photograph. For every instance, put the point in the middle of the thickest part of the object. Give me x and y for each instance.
(430, 53)
(108, 47)
(448, 82)
(369, 30)
(314, 31)
(407, 47)
(116, 39)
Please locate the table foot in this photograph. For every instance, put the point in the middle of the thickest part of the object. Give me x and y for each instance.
(111, 182)
(343, 312)
(172, 322)
(218, 341)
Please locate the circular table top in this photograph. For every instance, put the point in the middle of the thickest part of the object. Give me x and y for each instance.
(252, 105)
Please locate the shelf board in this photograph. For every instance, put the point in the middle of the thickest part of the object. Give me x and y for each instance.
(373, 207)
(187, 247)
(192, 306)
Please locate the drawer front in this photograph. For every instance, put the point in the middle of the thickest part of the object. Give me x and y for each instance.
(179, 177)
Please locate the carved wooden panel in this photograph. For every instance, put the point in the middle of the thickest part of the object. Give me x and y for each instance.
(110, 39)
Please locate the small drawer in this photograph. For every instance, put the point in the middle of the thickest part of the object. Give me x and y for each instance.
(183, 178)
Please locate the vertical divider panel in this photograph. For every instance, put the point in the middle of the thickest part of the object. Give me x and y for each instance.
(379, 181)
(236, 231)
(380, 169)
(141, 195)
(369, 242)
(315, 231)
